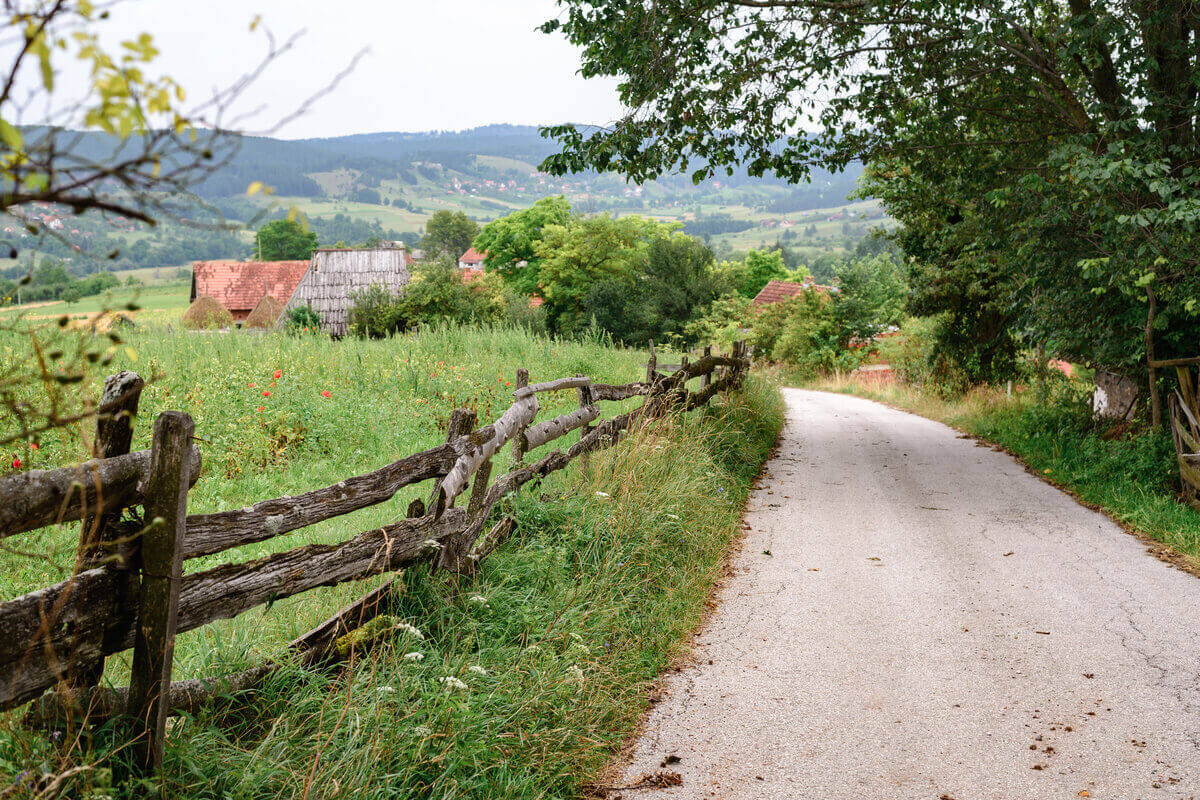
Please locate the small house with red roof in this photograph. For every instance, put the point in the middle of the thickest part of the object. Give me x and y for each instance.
(472, 259)
(240, 285)
(776, 291)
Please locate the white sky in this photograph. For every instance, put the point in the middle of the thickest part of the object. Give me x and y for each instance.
(430, 65)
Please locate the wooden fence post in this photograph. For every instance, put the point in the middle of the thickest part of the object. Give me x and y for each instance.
(585, 399)
(651, 366)
(99, 533)
(706, 378)
(519, 443)
(158, 602)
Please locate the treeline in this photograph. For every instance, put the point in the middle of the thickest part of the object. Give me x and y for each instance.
(52, 281)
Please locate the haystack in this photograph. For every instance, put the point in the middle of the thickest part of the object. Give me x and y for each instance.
(205, 312)
(265, 314)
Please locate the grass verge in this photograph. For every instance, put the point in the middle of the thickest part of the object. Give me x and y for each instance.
(520, 682)
(1129, 475)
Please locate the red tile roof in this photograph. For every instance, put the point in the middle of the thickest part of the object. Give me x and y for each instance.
(239, 285)
(775, 291)
(472, 256)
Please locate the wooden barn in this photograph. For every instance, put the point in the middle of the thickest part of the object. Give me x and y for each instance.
(239, 286)
(336, 273)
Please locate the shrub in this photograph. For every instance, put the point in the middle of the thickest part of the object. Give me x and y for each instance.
(302, 319)
(375, 313)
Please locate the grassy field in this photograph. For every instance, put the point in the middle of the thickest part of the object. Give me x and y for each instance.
(155, 302)
(555, 639)
(1131, 477)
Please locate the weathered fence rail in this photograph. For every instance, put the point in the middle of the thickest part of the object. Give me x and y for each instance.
(129, 590)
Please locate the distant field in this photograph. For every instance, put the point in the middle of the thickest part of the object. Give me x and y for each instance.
(160, 302)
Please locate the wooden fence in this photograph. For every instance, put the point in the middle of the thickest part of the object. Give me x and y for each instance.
(1185, 430)
(129, 589)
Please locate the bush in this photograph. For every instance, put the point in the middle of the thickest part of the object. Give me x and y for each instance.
(302, 319)
(917, 358)
(375, 313)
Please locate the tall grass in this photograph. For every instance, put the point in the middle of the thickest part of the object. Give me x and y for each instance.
(554, 640)
(1128, 473)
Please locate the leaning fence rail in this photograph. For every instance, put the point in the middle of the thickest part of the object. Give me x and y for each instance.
(130, 591)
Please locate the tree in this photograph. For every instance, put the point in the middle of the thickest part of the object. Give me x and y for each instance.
(574, 258)
(1059, 140)
(510, 242)
(285, 240)
(676, 281)
(449, 233)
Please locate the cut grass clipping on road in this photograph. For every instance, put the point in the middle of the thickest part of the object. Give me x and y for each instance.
(520, 682)
(1131, 477)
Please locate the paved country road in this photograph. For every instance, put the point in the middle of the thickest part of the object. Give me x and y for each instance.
(932, 622)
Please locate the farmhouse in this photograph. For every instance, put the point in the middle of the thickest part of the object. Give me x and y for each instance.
(337, 273)
(775, 291)
(240, 285)
(472, 259)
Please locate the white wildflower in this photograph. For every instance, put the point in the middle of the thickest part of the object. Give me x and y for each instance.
(386, 689)
(576, 672)
(423, 730)
(410, 630)
(478, 598)
(478, 670)
(672, 516)
(414, 656)
(602, 494)
(533, 648)
(451, 683)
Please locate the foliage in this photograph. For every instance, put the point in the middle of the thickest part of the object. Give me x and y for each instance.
(449, 234)
(437, 294)
(302, 319)
(759, 268)
(510, 242)
(870, 298)
(285, 240)
(721, 323)
(1041, 157)
(657, 304)
(590, 250)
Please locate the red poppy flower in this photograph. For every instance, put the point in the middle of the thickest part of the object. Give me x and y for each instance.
(260, 408)
(278, 374)
(16, 463)
(250, 385)
(35, 446)
(326, 393)
(266, 393)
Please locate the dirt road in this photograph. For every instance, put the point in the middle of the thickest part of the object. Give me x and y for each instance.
(915, 616)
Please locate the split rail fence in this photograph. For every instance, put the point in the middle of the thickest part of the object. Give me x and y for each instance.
(129, 589)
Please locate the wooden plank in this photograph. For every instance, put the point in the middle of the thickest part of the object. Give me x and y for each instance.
(1175, 362)
(605, 391)
(101, 536)
(652, 366)
(162, 566)
(550, 386)
(462, 421)
(706, 377)
(213, 533)
(1189, 473)
(511, 425)
(232, 589)
(41, 497)
(45, 633)
(551, 429)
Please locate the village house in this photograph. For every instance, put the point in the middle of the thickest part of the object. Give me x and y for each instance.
(240, 285)
(776, 291)
(336, 273)
(472, 259)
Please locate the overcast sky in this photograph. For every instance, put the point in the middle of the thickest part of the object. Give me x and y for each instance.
(429, 65)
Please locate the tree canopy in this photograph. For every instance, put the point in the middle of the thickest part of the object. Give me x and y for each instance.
(1041, 157)
(449, 233)
(285, 240)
